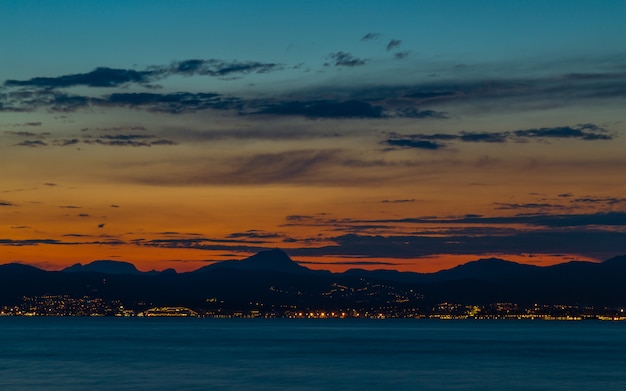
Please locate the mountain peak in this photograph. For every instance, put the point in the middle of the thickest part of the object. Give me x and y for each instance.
(104, 266)
(274, 260)
(274, 256)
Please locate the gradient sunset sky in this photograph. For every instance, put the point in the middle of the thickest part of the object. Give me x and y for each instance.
(409, 135)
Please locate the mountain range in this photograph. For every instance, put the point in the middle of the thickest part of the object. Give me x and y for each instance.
(273, 279)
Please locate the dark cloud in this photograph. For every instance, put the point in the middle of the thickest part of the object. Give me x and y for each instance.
(370, 36)
(116, 129)
(127, 140)
(219, 68)
(27, 242)
(50, 184)
(427, 95)
(5, 203)
(114, 142)
(401, 55)
(397, 201)
(111, 77)
(414, 112)
(254, 234)
(32, 143)
(298, 218)
(99, 77)
(326, 109)
(69, 207)
(545, 220)
(20, 134)
(507, 206)
(25, 124)
(583, 132)
(115, 206)
(600, 200)
(66, 142)
(174, 103)
(586, 132)
(343, 59)
(600, 244)
(36, 242)
(101, 225)
(393, 44)
(418, 144)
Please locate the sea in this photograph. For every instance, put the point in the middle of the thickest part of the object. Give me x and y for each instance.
(73, 353)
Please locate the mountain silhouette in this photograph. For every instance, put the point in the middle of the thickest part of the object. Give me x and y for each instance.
(273, 278)
(104, 266)
(482, 269)
(275, 260)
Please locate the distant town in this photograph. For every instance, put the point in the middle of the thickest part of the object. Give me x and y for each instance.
(64, 305)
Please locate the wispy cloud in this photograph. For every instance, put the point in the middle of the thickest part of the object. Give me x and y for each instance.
(371, 36)
(393, 44)
(344, 59)
(584, 132)
(105, 77)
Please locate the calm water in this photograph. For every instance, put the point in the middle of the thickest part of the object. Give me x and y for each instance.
(216, 354)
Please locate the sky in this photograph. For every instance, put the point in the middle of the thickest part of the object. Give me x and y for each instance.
(407, 135)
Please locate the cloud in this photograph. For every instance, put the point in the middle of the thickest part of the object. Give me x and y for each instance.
(111, 77)
(69, 207)
(99, 77)
(398, 201)
(116, 129)
(36, 242)
(174, 103)
(513, 206)
(370, 36)
(254, 234)
(299, 218)
(418, 144)
(6, 203)
(597, 244)
(544, 220)
(25, 124)
(600, 200)
(220, 68)
(128, 140)
(27, 242)
(401, 55)
(343, 59)
(393, 44)
(32, 143)
(414, 112)
(281, 167)
(21, 134)
(66, 142)
(584, 132)
(325, 109)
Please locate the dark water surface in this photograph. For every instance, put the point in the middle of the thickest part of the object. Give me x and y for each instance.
(219, 354)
